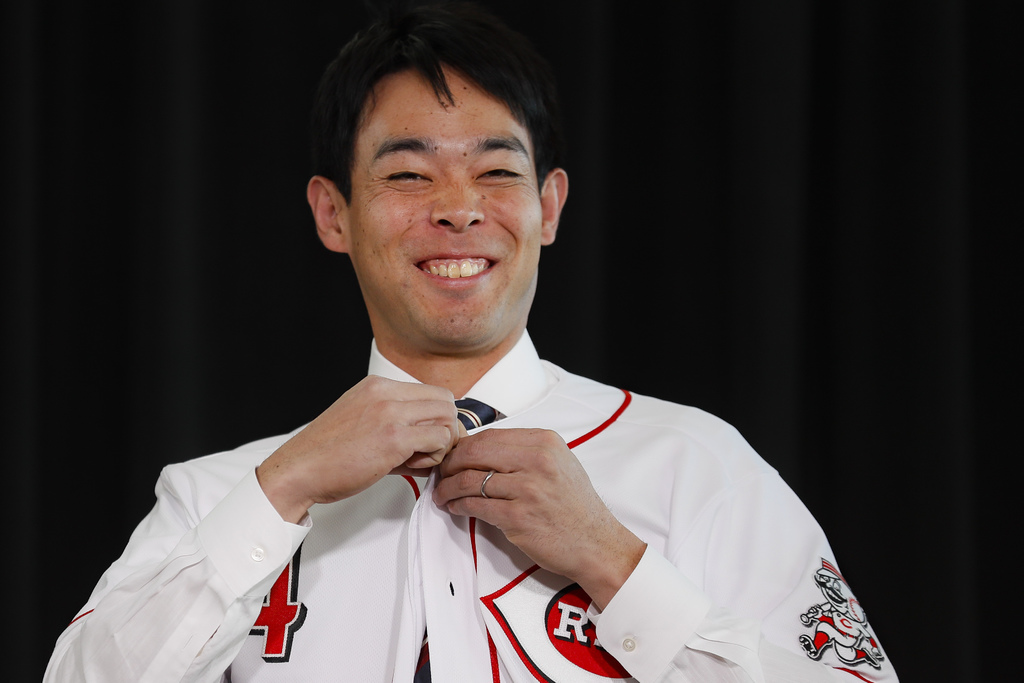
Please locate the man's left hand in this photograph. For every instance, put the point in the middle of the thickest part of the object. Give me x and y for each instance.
(541, 498)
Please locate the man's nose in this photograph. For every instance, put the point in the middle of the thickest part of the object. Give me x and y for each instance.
(457, 207)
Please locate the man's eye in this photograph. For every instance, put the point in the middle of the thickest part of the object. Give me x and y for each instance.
(405, 175)
(501, 173)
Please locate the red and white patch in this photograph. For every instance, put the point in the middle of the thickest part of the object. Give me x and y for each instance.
(840, 624)
(544, 616)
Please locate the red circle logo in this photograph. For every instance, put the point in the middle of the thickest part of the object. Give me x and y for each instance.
(574, 635)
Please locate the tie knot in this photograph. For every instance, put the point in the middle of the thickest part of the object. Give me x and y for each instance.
(473, 413)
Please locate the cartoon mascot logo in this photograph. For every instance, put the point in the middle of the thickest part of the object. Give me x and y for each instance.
(839, 623)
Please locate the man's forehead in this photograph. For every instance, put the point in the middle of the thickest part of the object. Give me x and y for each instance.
(421, 145)
(404, 114)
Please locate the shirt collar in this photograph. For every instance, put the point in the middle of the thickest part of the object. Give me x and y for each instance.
(514, 383)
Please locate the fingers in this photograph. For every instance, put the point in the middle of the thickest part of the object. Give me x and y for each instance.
(423, 445)
(419, 421)
(483, 484)
(410, 412)
(469, 483)
(431, 425)
(505, 450)
(519, 459)
(530, 486)
(370, 430)
(385, 401)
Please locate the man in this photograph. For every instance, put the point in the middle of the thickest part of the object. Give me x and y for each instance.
(591, 534)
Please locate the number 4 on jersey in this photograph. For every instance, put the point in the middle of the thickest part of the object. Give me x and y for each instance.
(282, 614)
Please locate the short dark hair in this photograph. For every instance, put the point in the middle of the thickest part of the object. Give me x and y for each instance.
(460, 36)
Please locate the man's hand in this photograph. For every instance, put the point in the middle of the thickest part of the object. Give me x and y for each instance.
(542, 500)
(376, 427)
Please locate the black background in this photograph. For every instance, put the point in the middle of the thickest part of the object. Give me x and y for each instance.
(803, 216)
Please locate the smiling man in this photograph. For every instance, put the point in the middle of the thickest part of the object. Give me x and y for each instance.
(444, 224)
(575, 532)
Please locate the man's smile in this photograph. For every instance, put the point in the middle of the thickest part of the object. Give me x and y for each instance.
(455, 268)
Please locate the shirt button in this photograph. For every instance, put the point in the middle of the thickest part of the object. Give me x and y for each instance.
(628, 644)
(258, 554)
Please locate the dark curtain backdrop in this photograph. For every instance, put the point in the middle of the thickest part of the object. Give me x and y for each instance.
(803, 216)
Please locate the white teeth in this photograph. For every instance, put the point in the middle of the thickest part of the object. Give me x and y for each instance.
(455, 268)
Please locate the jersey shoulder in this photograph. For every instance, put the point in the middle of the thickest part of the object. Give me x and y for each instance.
(688, 431)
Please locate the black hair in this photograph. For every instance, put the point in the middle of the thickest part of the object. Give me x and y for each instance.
(426, 39)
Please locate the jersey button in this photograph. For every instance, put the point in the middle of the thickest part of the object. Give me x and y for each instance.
(628, 644)
(257, 554)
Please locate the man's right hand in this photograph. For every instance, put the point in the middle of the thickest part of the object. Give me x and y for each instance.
(376, 427)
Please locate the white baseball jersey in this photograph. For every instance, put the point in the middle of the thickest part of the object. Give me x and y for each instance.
(737, 584)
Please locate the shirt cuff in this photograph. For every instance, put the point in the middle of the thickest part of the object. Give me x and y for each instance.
(655, 611)
(247, 540)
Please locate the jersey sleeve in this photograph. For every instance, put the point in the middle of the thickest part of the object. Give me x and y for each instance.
(179, 602)
(752, 614)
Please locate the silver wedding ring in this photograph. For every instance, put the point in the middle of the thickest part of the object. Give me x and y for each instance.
(484, 483)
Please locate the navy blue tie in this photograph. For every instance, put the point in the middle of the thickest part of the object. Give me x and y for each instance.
(473, 413)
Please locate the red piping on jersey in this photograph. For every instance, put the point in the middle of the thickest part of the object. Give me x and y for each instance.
(853, 673)
(413, 484)
(472, 538)
(491, 649)
(604, 425)
(489, 600)
(495, 671)
(80, 616)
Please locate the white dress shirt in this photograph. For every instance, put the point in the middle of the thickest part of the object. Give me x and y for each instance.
(718, 595)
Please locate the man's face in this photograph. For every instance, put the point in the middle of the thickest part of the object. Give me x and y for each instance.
(446, 220)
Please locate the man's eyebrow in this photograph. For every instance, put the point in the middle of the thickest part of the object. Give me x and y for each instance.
(509, 143)
(395, 145)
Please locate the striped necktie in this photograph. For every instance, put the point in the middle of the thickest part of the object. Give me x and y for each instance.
(472, 414)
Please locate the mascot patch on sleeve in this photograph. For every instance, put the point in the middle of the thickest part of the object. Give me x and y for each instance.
(839, 623)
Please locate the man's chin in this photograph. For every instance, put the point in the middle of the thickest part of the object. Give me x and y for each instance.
(464, 339)
(463, 343)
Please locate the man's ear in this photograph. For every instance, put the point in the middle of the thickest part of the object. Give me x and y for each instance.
(330, 211)
(552, 199)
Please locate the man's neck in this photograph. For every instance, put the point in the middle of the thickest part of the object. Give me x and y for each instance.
(453, 371)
